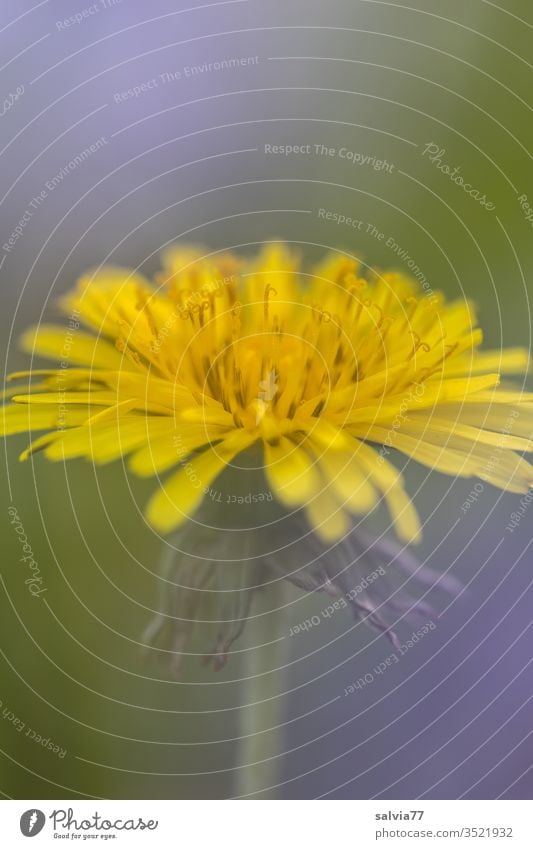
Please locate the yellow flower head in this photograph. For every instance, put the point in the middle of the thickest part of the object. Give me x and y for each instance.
(221, 353)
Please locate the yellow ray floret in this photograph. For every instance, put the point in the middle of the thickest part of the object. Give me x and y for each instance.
(221, 353)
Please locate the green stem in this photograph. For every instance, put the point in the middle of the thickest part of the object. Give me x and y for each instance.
(262, 716)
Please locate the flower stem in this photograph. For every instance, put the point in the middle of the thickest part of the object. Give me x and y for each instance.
(260, 749)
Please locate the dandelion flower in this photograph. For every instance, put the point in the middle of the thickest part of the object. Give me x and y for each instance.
(324, 372)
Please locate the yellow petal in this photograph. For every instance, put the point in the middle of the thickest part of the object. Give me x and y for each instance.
(439, 457)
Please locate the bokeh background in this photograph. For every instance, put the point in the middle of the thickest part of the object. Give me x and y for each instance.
(185, 159)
